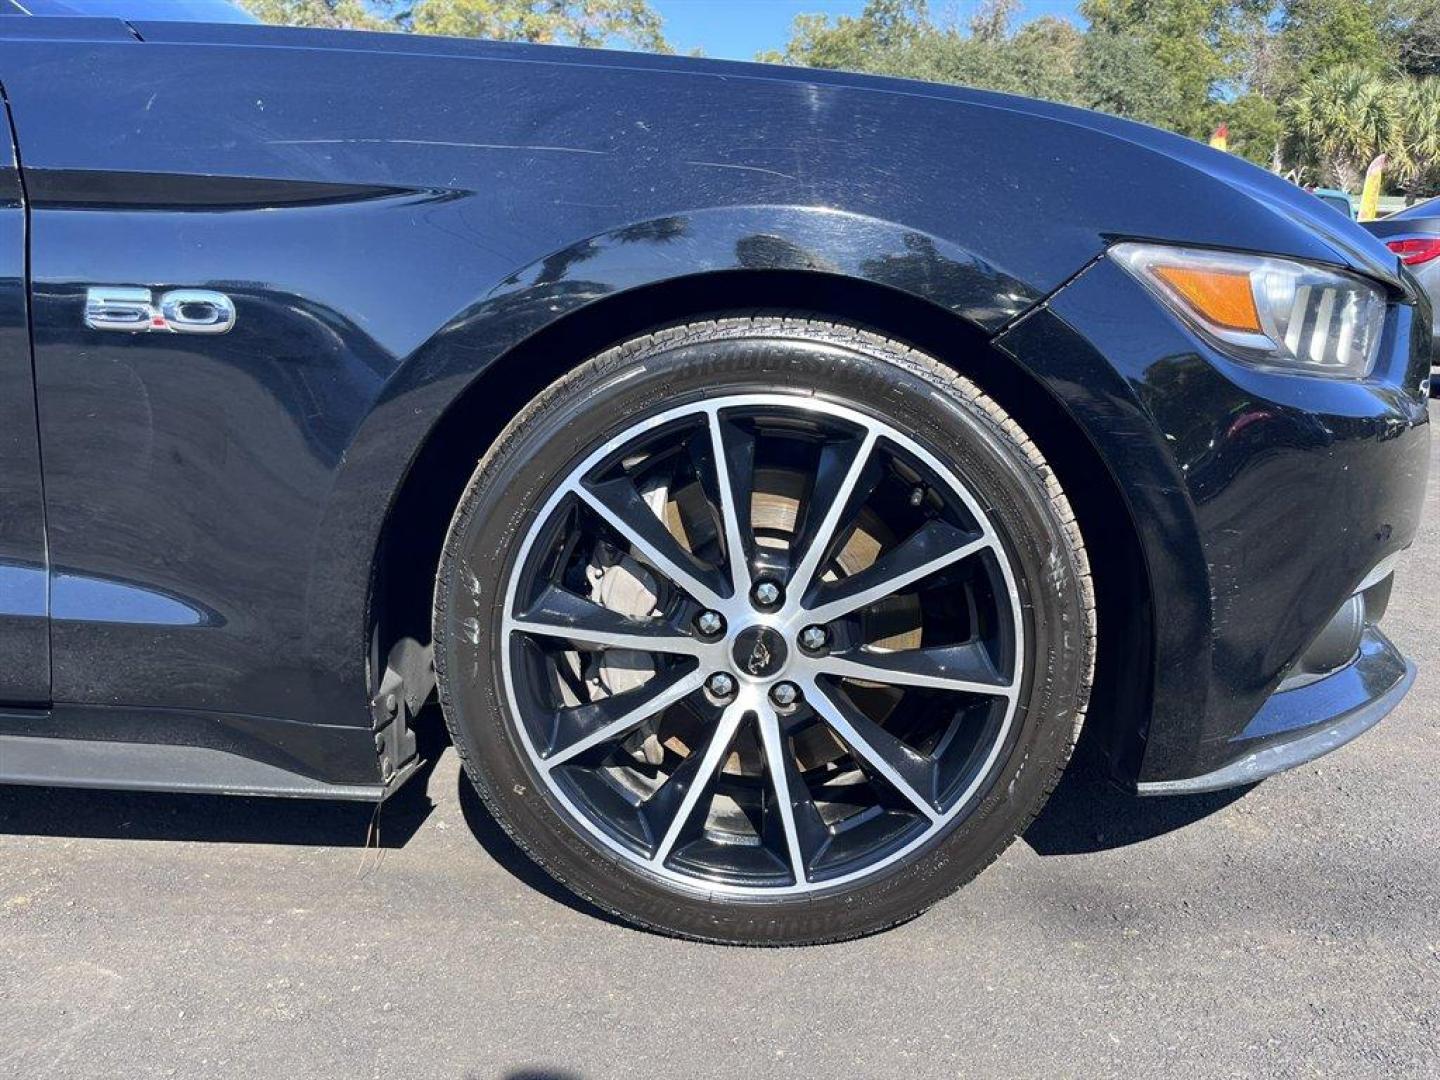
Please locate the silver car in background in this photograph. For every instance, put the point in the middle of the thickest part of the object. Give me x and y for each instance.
(1414, 235)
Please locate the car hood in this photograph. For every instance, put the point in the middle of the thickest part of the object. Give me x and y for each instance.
(1351, 243)
(1356, 247)
(1061, 172)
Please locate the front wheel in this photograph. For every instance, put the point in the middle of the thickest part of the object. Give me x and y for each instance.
(763, 631)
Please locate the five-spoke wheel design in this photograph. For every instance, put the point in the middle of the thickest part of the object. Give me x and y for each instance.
(762, 644)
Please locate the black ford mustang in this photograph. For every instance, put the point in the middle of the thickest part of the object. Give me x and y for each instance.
(774, 470)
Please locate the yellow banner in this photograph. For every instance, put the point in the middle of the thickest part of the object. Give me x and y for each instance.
(1370, 193)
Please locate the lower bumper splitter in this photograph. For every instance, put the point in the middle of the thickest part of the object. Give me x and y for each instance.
(1300, 725)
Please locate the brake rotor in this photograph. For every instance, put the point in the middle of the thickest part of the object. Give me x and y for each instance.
(892, 624)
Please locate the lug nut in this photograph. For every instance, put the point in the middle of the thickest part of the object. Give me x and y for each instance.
(785, 694)
(814, 638)
(710, 623)
(720, 685)
(766, 594)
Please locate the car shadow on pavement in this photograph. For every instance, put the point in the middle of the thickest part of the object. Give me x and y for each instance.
(1089, 813)
(1086, 813)
(224, 819)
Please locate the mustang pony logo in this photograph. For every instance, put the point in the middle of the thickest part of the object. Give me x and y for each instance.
(759, 658)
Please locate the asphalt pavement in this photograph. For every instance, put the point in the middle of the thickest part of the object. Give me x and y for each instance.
(1290, 930)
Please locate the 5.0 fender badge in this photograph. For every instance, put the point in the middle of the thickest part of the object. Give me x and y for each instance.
(140, 311)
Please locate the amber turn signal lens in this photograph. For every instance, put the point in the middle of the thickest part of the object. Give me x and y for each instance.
(1266, 310)
(1222, 296)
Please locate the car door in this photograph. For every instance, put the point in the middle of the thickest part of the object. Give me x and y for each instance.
(24, 593)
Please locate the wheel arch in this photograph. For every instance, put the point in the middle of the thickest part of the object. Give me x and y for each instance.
(402, 584)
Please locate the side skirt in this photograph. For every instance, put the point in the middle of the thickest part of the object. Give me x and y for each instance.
(134, 749)
(153, 767)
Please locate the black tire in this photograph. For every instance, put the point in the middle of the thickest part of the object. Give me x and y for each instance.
(944, 412)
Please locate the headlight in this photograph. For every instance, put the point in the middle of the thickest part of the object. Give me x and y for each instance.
(1269, 312)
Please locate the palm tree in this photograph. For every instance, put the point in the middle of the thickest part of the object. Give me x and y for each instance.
(1341, 118)
(1419, 154)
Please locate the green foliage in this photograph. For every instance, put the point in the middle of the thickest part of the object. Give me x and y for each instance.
(1122, 75)
(562, 22)
(548, 22)
(1418, 37)
(1341, 118)
(1045, 56)
(897, 37)
(1187, 39)
(1324, 34)
(1040, 61)
(1257, 131)
(330, 14)
(1419, 155)
(876, 40)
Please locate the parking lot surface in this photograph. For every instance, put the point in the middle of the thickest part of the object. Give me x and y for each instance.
(1289, 930)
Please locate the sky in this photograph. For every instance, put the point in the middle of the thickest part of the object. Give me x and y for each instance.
(738, 29)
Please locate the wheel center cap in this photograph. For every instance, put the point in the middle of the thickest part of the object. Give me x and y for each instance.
(760, 652)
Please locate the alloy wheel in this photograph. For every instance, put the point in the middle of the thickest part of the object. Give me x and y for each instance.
(762, 644)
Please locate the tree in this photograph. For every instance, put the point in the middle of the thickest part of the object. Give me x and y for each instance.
(992, 19)
(1257, 132)
(1418, 37)
(1121, 74)
(897, 37)
(329, 14)
(1189, 43)
(559, 22)
(1045, 57)
(1321, 34)
(875, 40)
(1419, 156)
(1258, 65)
(1341, 118)
(545, 22)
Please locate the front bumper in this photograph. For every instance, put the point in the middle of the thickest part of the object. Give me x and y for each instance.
(1261, 502)
(1286, 733)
